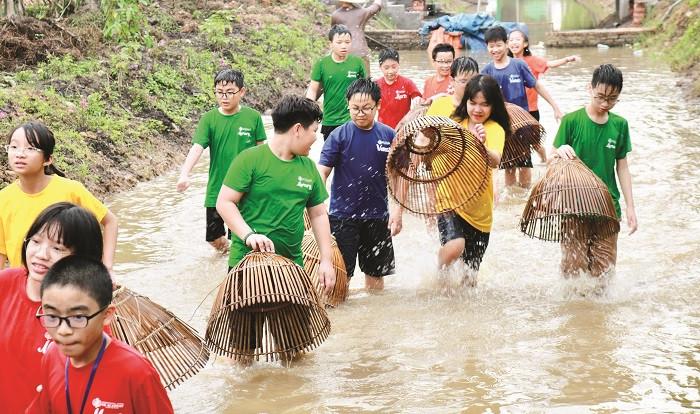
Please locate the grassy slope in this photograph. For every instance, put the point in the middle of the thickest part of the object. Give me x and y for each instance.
(125, 113)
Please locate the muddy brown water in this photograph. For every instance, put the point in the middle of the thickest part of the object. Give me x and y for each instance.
(524, 340)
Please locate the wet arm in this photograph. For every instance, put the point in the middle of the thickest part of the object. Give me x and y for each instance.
(192, 158)
(325, 172)
(110, 230)
(312, 90)
(625, 178)
(547, 97)
(563, 61)
(227, 206)
(322, 232)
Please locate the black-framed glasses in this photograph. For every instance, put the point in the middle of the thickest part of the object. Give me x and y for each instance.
(444, 62)
(362, 110)
(14, 149)
(611, 100)
(73, 321)
(225, 95)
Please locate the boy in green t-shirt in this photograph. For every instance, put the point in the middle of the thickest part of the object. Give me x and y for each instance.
(600, 139)
(333, 74)
(267, 188)
(226, 130)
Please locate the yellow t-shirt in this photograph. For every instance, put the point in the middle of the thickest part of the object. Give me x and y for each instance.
(441, 106)
(18, 210)
(480, 213)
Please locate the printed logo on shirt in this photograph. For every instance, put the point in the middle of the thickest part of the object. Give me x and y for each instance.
(42, 349)
(383, 146)
(401, 94)
(514, 78)
(611, 143)
(100, 406)
(352, 74)
(245, 132)
(304, 183)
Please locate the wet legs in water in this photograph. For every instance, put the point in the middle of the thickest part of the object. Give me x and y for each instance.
(582, 251)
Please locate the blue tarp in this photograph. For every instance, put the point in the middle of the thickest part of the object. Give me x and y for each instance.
(472, 27)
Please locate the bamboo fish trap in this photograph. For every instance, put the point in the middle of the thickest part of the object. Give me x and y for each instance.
(567, 195)
(173, 347)
(267, 307)
(435, 166)
(412, 115)
(312, 259)
(526, 132)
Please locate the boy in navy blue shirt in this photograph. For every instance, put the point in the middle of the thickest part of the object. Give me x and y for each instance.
(359, 213)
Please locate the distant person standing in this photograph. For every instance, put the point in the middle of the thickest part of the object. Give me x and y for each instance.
(351, 14)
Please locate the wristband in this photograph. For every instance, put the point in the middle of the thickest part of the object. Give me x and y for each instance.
(245, 239)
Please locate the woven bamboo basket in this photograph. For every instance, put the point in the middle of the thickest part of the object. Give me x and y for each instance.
(435, 166)
(569, 192)
(312, 259)
(411, 115)
(267, 308)
(526, 133)
(173, 347)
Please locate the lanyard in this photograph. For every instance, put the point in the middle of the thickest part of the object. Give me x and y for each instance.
(92, 377)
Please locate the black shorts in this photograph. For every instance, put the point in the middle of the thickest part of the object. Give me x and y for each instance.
(327, 129)
(215, 225)
(368, 241)
(535, 114)
(452, 226)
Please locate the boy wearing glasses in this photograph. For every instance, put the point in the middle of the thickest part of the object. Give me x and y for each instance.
(443, 55)
(601, 140)
(226, 131)
(331, 76)
(359, 214)
(85, 370)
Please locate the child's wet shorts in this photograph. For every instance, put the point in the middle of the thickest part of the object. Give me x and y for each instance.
(452, 226)
(215, 225)
(368, 241)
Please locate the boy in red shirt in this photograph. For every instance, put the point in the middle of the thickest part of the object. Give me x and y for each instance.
(84, 366)
(398, 92)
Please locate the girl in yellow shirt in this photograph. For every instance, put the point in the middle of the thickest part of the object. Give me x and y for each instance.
(464, 233)
(40, 184)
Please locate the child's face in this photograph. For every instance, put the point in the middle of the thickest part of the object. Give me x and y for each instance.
(228, 96)
(23, 158)
(603, 97)
(340, 45)
(75, 342)
(443, 63)
(478, 109)
(390, 70)
(304, 139)
(460, 82)
(516, 43)
(497, 50)
(362, 110)
(43, 250)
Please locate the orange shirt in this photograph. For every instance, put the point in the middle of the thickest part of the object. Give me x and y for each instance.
(433, 87)
(537, 66)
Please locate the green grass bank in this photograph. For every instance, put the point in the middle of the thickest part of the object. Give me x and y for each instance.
(122, 88)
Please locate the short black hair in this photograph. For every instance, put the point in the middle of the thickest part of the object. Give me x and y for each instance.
(388, 54)
(463, 65)
(443, 47)
(607, 74)
(88, 275)
(293, 109)
(364, 86)
(338, 29)
(495, 34)
(75, 227)
(229, 76)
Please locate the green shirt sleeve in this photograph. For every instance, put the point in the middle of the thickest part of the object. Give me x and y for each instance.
(361, 72)
(260, 134)
(624, 143)
(562, 134)
(240, 174)
(319, 193)
(201, 134)
(316, 73)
